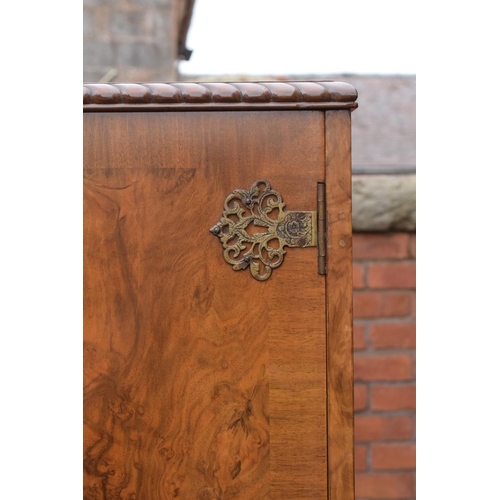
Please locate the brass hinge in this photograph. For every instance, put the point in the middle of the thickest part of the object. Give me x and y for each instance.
(255, 229)
(321, 228)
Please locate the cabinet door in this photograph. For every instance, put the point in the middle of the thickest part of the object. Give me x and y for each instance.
(200, 381)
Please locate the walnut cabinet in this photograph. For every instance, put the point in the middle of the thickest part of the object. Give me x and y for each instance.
(218, 291)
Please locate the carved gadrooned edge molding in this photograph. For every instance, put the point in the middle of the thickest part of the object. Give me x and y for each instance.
(215, 96)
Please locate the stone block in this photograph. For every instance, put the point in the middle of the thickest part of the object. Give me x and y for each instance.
(151, 2)
(384, 202)
(93, 75)
(161, 24)
(99, 2)
(99, 53)
(89, 25)
(143, 55)
(128, 23)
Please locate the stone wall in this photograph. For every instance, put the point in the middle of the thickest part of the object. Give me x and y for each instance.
(133, 40)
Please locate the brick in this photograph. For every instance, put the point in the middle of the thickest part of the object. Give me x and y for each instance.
(380, 245)
(377, 428)
(360, 452)
(395, 367)
(391, 275)
(381, 304)
(358, 337)
(413, 246)
(360, 397)
(386, 486)
(358, 276)
(414, 305)
(393, 397)
(393, 456)
(393, 335)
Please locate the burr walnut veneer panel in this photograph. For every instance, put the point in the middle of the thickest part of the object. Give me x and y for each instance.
(201, 382)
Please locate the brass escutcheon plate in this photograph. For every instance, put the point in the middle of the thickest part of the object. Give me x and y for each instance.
(255, 229)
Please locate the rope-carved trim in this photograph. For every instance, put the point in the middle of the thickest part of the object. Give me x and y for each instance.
(280, 95)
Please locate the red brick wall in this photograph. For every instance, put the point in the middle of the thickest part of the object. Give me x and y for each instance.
(384, 365)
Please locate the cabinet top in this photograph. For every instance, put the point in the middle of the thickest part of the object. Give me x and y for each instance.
(183, 96)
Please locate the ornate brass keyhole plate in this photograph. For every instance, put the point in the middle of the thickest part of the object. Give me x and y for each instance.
(255, 229)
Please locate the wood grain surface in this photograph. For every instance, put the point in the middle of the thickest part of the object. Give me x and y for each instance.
(339, 306)
(200, 382)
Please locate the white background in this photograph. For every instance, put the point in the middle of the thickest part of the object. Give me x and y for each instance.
(276, 37)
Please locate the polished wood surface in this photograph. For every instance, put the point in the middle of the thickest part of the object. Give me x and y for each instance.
(201, 382)
(339, 306)
(189, 96)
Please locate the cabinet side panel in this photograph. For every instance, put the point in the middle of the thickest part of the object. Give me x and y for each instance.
(339, 306)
